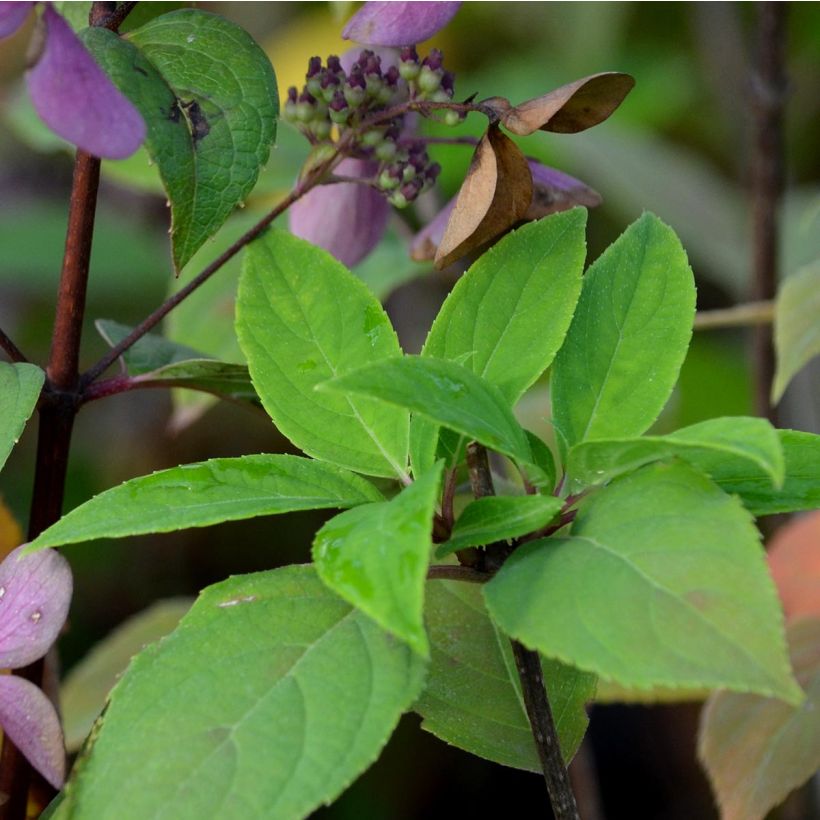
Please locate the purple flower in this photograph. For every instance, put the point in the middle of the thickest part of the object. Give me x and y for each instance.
(72, 94)
(35, 591)
(398, 24)
(347, 219)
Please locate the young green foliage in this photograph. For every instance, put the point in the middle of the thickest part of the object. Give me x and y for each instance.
(499, 517)
(20, 386)
(303, 318)
(473, 695)
(628, 337)
(663, 582)
(270, 697)
(198, 495)
(208, 94)
(376, 557)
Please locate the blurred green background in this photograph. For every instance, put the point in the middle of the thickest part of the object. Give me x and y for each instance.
(679, 146)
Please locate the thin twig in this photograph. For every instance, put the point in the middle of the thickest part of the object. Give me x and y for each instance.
(750, 313)
(14, 352)
(768, 103)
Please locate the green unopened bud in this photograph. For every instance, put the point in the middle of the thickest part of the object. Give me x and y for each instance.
(451, 117)
(408, 173)
(373, 137)
(387, 182)
(397, 200)
(409, 71)
(429, 80)
(289, 111)
(320, 129)
(375, 85)
(386, 151)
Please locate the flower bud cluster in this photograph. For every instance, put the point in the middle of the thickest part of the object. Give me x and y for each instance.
(335, 106)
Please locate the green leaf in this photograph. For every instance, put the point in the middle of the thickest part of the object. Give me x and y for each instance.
(208, 95)
(796, 325)
(445, 392)
(148, 353)
(197, 495)
(473, 695)
(756, 750)
(801, 487)
(228, 381)
(663, 583)
(376, 557)
(747, 440)
(540, 471)
(424, 439)
(303, 318)
(628, 338)
(508, 315)
(270, 697)
(497, 518)
(86, 687)
(20, 386)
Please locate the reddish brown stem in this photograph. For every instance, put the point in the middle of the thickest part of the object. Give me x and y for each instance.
(768, 102)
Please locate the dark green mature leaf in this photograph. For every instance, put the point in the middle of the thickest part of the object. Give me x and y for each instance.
(303, 318)
(628, 338)
(473, 695)
(801, 487)
(208, 94)
(756, 750)
(150, 352)
(197, 495)
(376, 557)
(446, 393)
(663, 583)
(270, 697)
(20, 386)
(500, 517)
(747, 440)
(796, 325)
(508, 315)
(86, 687)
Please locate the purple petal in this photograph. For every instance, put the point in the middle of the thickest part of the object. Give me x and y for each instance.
(398, 24)
(35, 592)
(555, 191)
(30, 720)
(75, 98)
(347, 219)
(425, 243)
(12, 16)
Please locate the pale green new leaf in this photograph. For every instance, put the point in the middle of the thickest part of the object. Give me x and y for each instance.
(20, 386)
(755, 749)
(444, 392)
(376, 557)
(801, 486)
(209, 492)
(796, 325)
(663, 583)
(473, 695)
(147, 353)
(508, 315)
(628, 337)
(303, 318)
(208, 95)
(86, 687)
(228, 381)
(745, 439)
(497, 518)
(268, 700)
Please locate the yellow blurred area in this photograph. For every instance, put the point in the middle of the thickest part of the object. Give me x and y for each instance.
(11, 535)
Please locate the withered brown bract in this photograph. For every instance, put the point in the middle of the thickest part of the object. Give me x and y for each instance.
(573, 107)
(494, 196)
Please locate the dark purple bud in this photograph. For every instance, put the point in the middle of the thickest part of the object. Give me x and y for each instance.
(314, 67)
(338, 103)
(432, 172)
(356, 80)
(434, 59)
(418, 162)
(307, 98)
(398, 23)
(330, 81)
(293, 94)
(75, 98)
(410, 190)
(334, 64)
(346, 219)
(35, 591)
(447, 82)
(373, 66)
(364, 56)
(393, 132)
(408, 54)
(12, 16)
(30, 720)
(391, 76)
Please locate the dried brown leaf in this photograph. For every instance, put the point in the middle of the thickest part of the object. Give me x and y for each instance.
(794, 561)
(573, 107)
(494, 196)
